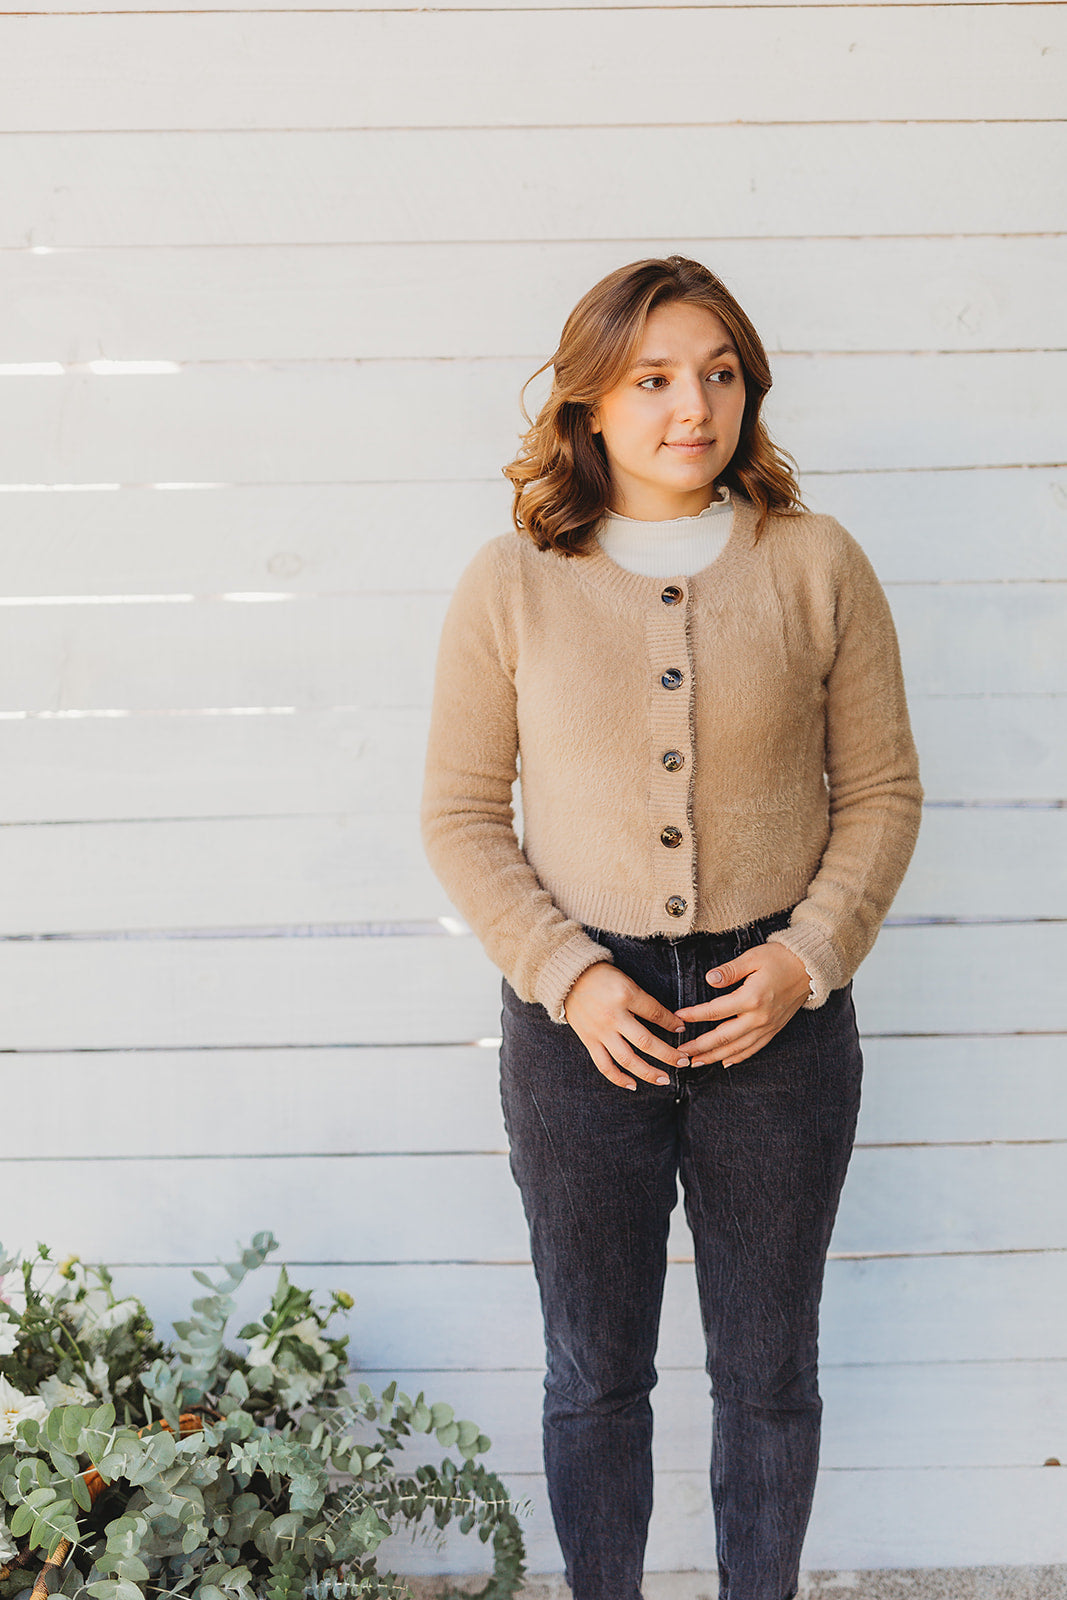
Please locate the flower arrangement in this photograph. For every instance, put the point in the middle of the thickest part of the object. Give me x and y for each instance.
(132, 1468)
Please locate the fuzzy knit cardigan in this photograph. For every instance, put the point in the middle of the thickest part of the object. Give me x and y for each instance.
(696, 753)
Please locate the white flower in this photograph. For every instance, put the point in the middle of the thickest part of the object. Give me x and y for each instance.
(9, 1336)
(296, 1385)
(99, 1375)
(56, 1393)
(8, 1547)
(15, 1407)
(298, 1388)
(81, 1314)
(116, 1316)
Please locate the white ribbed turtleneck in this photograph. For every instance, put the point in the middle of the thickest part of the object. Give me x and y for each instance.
(676, 547)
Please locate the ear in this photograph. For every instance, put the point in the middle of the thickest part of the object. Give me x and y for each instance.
(594, 422)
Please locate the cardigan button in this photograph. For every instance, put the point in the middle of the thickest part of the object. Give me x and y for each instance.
(676, 905)
(674, 760)
(672, 678)
(671, 595)
(671, 837)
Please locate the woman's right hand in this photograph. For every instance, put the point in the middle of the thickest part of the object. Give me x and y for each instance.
(604, 1007)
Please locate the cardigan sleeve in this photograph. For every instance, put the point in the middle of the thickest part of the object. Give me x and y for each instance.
(467, 815)
(872, 772)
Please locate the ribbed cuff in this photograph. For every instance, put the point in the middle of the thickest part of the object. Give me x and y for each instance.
(562, 969)
(819, 957)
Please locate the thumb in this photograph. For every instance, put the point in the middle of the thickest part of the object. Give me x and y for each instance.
(731, 971)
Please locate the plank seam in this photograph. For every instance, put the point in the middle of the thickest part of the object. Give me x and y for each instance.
(393, 483)
(489, 244)
(478, 11)
(443, 1044)
(273, 364)
(420, 929)
(117, 1157)
(525, 127)
(677, 1260)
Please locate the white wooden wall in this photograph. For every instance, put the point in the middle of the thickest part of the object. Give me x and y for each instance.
(228, 998)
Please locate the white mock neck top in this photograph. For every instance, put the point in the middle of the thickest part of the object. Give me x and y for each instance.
(675, 547)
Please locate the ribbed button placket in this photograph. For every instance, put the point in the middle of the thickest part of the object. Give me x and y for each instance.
(670, 668)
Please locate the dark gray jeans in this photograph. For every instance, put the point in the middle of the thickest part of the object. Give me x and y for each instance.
(762, 1149)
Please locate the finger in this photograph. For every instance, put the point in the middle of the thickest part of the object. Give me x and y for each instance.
(645, 1005)
(735, 971)
(604, 1065)
(717, 1010)
(711, 1044)
(626, 1057)
(743, 999)
(730, 1051)
(670, 1054)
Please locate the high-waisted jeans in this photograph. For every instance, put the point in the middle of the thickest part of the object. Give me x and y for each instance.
(762, 1148)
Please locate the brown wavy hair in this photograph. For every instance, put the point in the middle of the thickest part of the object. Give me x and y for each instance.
(561, 477)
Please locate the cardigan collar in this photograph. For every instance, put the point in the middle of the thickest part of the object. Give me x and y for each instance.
(629, 589)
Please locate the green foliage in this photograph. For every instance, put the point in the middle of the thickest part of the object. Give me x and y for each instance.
(73, 1333)
(222, 1475)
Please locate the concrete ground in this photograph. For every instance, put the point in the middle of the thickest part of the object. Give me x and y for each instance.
(956, 1583)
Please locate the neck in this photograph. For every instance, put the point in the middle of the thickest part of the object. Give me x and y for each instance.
(667, 546)
(648, 504)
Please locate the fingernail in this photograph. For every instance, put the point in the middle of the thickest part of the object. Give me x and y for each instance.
(682, 1061)
(679, 1027)
(715, 977)
(663, 1078)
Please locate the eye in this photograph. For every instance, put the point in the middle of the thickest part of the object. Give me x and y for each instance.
(723, 375)
(655, 377)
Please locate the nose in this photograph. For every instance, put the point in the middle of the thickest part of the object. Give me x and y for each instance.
(692, 403)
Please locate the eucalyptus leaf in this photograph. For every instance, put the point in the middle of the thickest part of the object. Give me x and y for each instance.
(286, 1487)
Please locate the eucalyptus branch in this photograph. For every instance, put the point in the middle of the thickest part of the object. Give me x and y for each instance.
(267, 1491)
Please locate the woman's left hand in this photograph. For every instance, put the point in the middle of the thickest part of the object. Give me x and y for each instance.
(775, 987)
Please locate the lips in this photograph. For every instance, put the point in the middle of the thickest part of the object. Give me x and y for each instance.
(688, 444)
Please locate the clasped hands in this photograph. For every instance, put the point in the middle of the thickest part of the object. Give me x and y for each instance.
(607, 1010)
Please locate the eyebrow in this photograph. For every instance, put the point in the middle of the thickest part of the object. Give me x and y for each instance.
(662, 361)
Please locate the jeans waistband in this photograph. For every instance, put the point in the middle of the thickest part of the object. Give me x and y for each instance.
(748, 933)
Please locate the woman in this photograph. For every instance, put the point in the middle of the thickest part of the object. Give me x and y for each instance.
(720, 798)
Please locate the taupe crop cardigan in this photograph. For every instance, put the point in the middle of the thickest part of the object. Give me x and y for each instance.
(696, 752)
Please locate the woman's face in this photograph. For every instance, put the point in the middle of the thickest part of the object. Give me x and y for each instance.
(672, 424)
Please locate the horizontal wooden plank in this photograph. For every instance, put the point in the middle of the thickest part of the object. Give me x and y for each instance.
(301, 303)
(454, 1318)
(949, 1517)
(937, 1415)
(991, 749)
(962, 980)
(234, 992)
(520, 68)
(1005, 1516)
(299, 653)
(288, 990)
(209, 188)
(958, 1089)
(207, 764)
(909, 1200)
(936, 527)
(364, 865)
(446, 1098)
(341, 758)
(379, 650)
(917, 527)
(281, 538)
(47, 7)
(985, 863)
(294, 423)
(244, 872)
